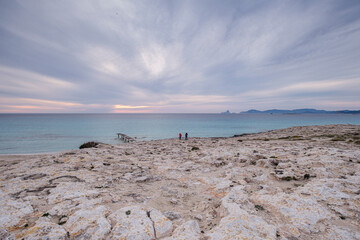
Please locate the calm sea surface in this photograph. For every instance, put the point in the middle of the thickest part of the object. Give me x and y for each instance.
(36, 133)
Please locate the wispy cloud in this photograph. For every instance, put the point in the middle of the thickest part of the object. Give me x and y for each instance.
(179, 56)
(345, 85)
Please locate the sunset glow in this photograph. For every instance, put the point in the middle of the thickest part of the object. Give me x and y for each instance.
(195, 57)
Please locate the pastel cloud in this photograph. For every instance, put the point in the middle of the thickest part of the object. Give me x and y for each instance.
(178, 56)
(129, 107)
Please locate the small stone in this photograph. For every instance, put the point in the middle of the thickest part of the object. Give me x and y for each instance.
(174, 201)
(172, 215)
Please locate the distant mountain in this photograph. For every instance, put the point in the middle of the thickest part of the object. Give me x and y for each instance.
(301, 111)
(227, 112)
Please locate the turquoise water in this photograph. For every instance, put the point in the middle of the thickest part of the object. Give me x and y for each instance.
(36, 133)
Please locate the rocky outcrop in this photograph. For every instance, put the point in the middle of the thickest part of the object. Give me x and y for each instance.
(295, 183)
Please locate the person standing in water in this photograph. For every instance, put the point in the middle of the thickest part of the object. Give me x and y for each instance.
(186, 136)
(180, 136)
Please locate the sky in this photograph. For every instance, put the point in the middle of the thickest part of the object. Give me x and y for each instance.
(178, 56)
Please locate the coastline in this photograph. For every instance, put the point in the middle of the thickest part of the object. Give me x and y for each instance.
(49, 134)
(300, 182)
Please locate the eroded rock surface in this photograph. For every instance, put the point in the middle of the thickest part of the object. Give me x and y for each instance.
(295, 183)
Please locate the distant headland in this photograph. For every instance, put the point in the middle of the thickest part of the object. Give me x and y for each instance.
(297, 111)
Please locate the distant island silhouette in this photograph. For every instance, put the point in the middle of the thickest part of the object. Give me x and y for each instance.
(298, 111)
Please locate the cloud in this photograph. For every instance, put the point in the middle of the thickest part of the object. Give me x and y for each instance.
(306, 87)
(20, 82)
(180, 56)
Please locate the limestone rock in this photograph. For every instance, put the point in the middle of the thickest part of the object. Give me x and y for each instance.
(5, 235)
(69, 190)
(242, 225)
(132, 223)
(190, 230)
(301, 213)
(239, 224)
(89, 223)
(12, 212)
(163, 226)
(67, 207)
(45, 230)
(336, 233)
(306, 189)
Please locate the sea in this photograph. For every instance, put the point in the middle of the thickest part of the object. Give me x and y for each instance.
(44, 133)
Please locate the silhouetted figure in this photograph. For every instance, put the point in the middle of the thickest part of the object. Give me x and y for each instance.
(180, 136)
(186, 136)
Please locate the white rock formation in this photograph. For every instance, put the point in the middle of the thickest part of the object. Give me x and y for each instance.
(188, 231)
(89, 223)
(295, 183)
(137, 222)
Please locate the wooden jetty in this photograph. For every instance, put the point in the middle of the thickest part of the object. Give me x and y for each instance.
(125, 137)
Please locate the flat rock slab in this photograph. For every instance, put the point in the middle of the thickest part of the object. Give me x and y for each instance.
(12, 213)
(45, 230)
(138, 222)
(89, 223)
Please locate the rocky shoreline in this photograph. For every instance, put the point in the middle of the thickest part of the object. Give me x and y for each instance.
(294, 183)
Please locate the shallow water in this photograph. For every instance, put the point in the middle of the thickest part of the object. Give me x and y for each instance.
(36, 133)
